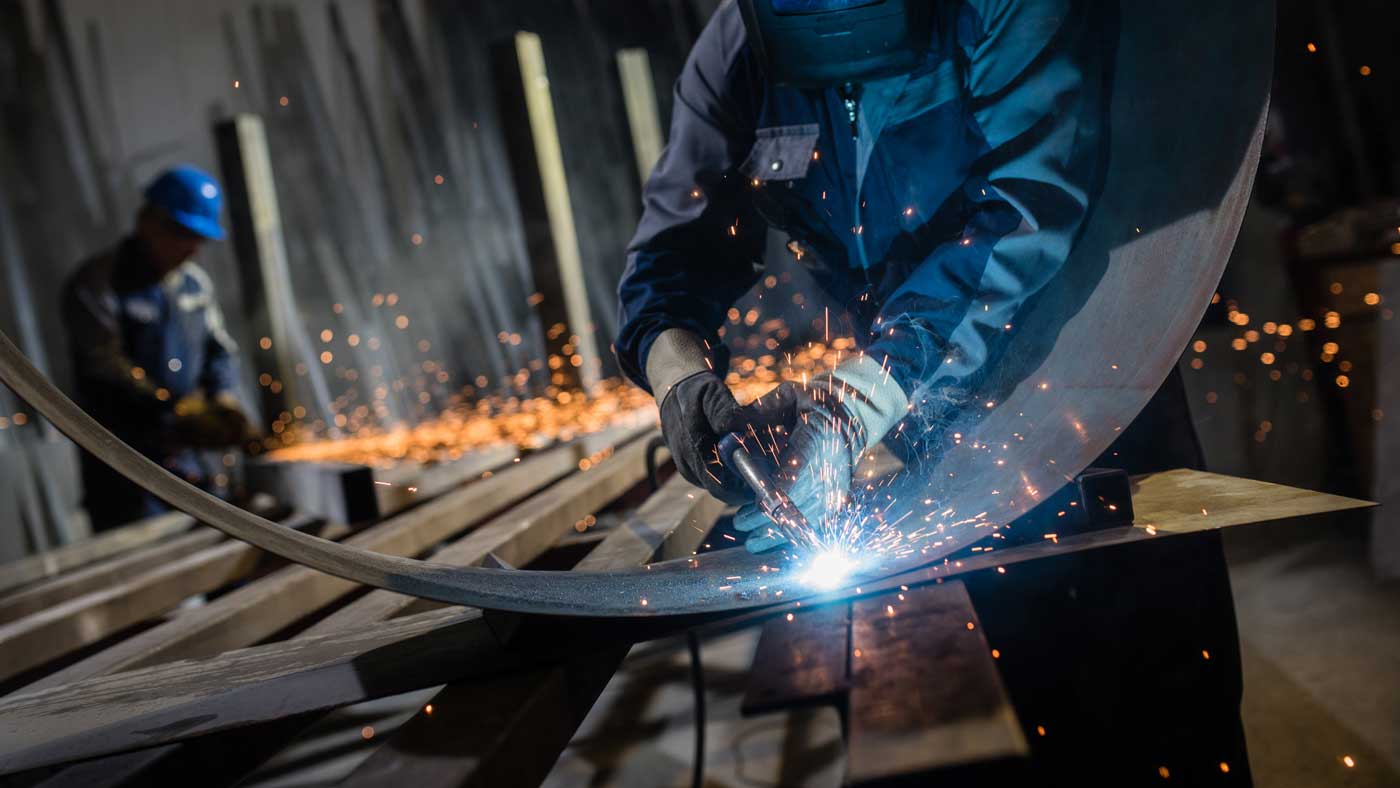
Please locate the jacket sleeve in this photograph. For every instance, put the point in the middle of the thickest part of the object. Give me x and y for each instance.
(1033, 91)
(699, 244)
(220, 374)
(102, 365)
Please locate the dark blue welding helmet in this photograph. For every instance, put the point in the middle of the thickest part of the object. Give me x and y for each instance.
(824, 43)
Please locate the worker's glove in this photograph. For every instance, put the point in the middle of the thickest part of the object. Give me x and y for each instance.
(697, 409)
(218, 423)
(830, 422)
(236, 419)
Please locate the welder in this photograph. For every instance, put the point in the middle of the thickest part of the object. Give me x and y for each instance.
(152, 359)
(932, 162)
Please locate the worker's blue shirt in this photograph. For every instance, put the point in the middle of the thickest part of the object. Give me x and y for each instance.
(140, 342)
(955, 200)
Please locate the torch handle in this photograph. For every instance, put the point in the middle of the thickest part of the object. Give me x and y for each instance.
(758, 473)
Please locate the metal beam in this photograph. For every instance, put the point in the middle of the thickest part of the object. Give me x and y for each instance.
(906, 716)
(265, 607)
(100, 546)
(56, 590)
(517, 536)
(51, 633)
(267, 283)
(643, 118)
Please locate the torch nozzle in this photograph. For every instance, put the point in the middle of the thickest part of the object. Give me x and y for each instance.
(758, 473)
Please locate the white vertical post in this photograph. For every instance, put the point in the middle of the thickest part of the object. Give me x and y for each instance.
(257, 228)
(639, 97)
(549, 158)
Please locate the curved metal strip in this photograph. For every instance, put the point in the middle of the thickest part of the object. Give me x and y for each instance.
(1187, 117)
(682, 586)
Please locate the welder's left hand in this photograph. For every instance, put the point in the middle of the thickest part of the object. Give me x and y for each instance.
(830, 423)
(237, 419)
(211, 423)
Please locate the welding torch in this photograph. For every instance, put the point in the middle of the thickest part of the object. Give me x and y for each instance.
(759, 473)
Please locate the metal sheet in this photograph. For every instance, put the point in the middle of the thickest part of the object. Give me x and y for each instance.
(1187, 120)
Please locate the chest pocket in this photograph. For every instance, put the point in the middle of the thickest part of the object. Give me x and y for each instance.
(781, 153)
(778, 163)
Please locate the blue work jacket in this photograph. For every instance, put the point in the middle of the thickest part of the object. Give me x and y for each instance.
(139, 343)
(954, 196)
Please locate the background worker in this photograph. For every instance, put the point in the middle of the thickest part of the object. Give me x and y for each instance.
(934, 163)
(153, 361)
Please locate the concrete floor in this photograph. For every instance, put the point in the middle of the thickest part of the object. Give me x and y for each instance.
(1321, 644)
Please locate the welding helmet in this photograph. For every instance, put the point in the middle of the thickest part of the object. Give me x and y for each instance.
(824, 43)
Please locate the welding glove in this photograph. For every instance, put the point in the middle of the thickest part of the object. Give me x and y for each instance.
(238, 420)
(697, 409)
(831, 422)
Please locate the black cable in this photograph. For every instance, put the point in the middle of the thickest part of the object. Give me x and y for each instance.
(697, 668)
(692, 641)
(697, 680)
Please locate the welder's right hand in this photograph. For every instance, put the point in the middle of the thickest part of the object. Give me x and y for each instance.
(830, 422)
(814, 465)
(697, 409)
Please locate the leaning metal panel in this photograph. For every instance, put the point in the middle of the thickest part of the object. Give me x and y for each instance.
(1189, 99)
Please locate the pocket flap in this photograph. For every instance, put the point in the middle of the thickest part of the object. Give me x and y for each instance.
(781, 153)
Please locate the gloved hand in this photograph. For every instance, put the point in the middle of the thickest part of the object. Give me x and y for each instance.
(236, 419)
(831, 422)
(697, 409)
(218, 423)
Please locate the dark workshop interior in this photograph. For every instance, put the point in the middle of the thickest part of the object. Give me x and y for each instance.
(725, 393)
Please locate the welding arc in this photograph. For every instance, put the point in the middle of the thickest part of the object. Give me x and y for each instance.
(674, 587)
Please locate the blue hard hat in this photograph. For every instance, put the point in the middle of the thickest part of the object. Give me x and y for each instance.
(191, 197)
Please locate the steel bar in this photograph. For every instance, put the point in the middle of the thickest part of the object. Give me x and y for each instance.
(517, 536)
(801, 660)
(925, 693)
(100, 546)
(61, 588)
(82, 620)
(403, 486)
(261, 609)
